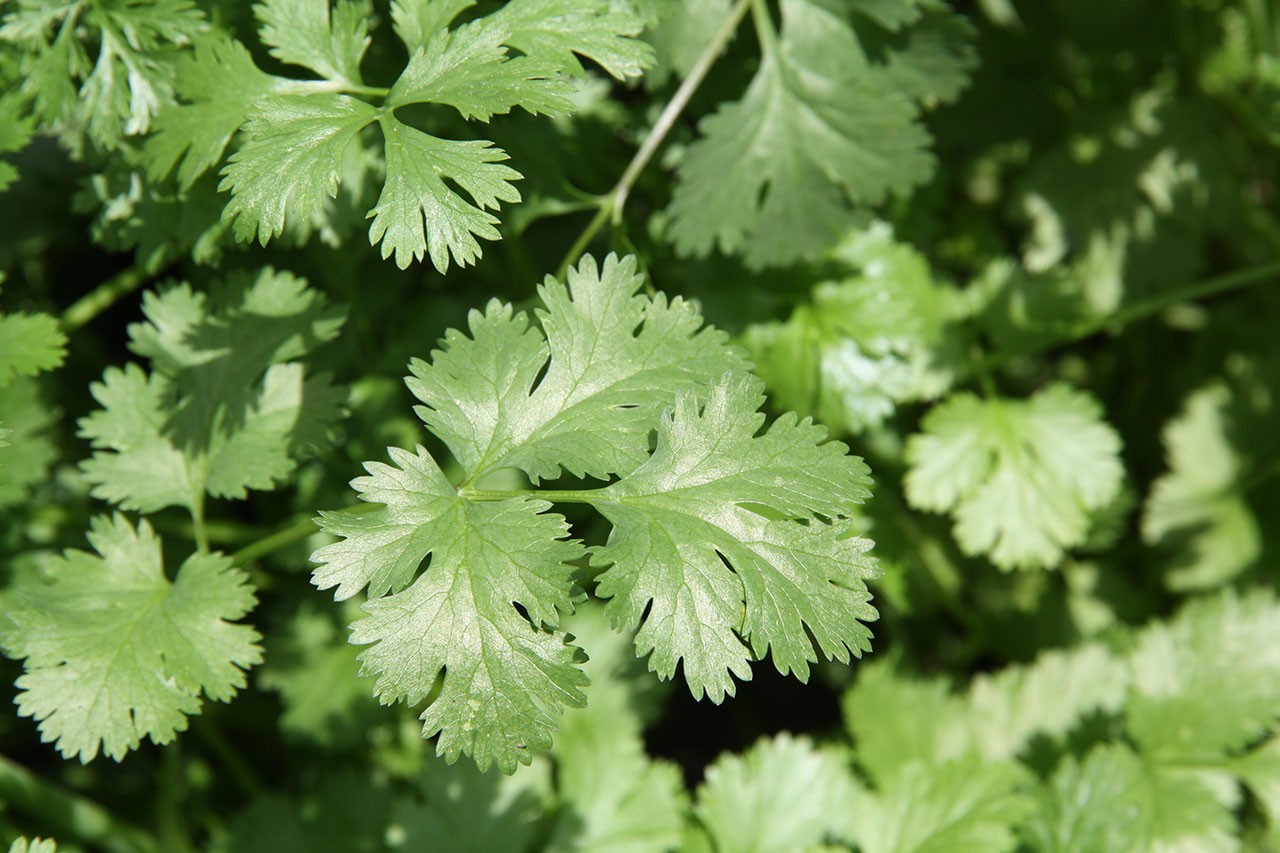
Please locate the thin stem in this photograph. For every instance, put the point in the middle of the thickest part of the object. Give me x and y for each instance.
(68, 814)
(102, 297)
(612, 203)
(1188, 293)
(197, 523)
(170, 826)
(291, 534)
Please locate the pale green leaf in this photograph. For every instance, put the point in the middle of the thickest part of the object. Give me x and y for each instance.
(1209, 680)
(33, 845)
(614, 359)
(115, 652)
(1020, 477)
(713, 582)
(784, 795)
(1197, 508)
(291, 160)
(418, 214)
(962, 806)
(329, 40)
(505, 677)
(25, 461)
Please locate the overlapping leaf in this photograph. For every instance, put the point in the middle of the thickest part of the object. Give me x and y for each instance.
(226, 407)
(115, 652)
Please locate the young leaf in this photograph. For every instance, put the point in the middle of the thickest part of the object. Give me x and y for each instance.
(1020, 477)
(330, 41)
(727, 545)
(29, 344)
(115, 652)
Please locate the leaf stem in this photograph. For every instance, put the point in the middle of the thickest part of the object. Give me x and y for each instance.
(102, 297)
(612, 202)
(237, 768)
(293, 533)
(1187, 293)
(569, 496)
(68, 814)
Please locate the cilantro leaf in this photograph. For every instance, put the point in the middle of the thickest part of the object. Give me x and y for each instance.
(295, 134)
(461, 809)
(556, 30)
(26, 419)
(864, 342)
(816, 131)
(711, 581)
(963, 804)
(613, 361)
(504, 677)
(329, 40)
(418, 214)
(291, 160)
(1020, 477)
(115, 652)
(1197, 507)
(225, 409)
(15, 132)
(33, 845)
(783, 794)
(29, 344)
(468, 583)
(103, 69)
(220, 84)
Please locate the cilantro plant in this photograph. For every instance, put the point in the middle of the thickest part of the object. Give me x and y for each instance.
(693, 303)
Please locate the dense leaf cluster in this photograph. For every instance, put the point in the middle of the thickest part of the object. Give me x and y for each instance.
(988, 284)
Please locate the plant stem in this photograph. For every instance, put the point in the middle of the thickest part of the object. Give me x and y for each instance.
(1186, 293)
(291, 534)
(612, 202)
(68, 814)
(170, 826)
(102, 297)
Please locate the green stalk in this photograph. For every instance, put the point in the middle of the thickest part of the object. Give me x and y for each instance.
(102, 297)
(69, 815)
(612, 202)
(291, 534)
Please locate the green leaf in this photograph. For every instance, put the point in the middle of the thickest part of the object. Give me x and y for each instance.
(1198, 507)
(115, 652)
(558, 31)
(419, 214)
(1020, 477)
(416, 21)
(613, 361)
(866, 341)
(1207, 682)
(1114, 801)
(470, 69)
(729, 546)
(220, 84)
(291, 160)
(225, 409)
(783, 795)
(616, 799)
(505, 678)
(774, 175)
(34, 845)
(328, 40)
(100, 70)
(962, 805)
(29, 344)
(25, 461)
(15, 133)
